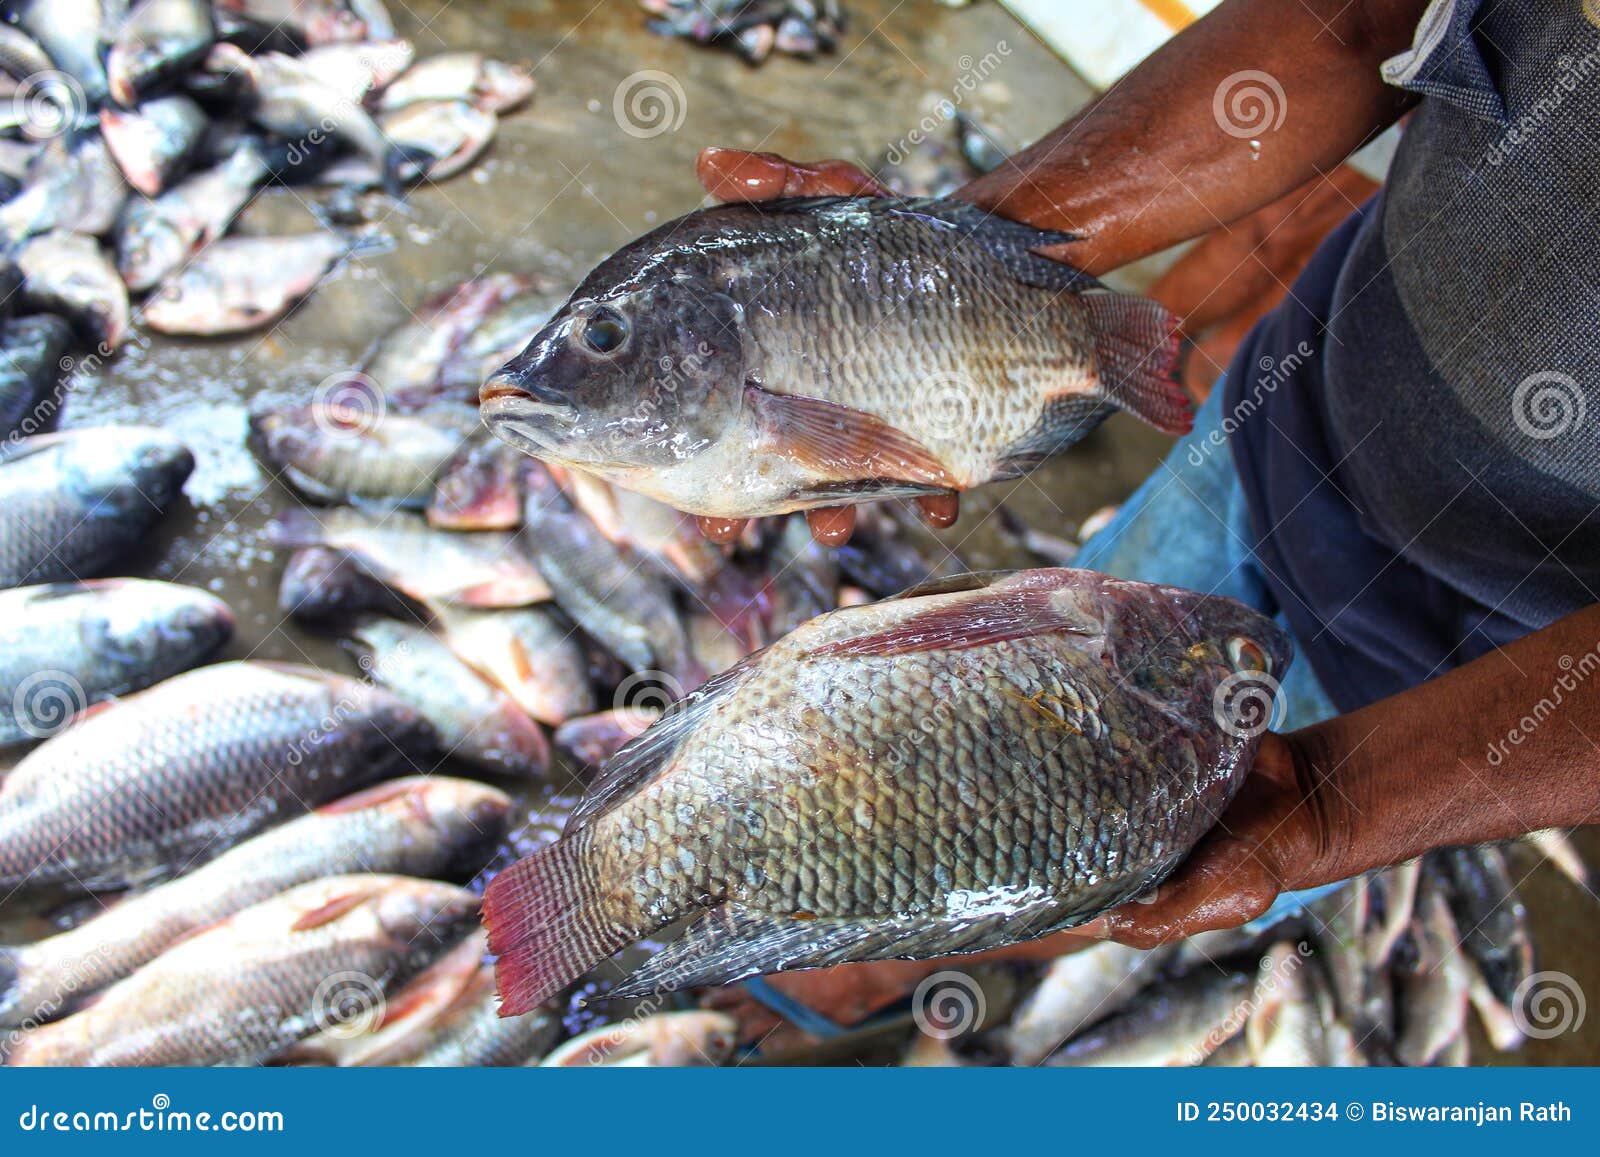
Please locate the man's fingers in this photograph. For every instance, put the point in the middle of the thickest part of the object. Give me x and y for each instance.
(721, 530)
(736, 175)
(940, 510)
(832, 525)
(1224, 887)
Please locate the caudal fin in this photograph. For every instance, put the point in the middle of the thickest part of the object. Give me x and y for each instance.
(1136, 343)
(548, 924)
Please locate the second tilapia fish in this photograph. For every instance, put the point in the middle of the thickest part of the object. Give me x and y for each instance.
(970, 766)
(757, 359)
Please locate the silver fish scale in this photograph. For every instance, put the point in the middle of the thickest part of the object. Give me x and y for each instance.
(888, 331)
(952, 773)
(161, 777)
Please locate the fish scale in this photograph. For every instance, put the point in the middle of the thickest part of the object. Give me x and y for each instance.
(183, 770)
(785, 800)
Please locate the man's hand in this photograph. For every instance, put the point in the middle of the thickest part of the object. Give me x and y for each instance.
(1268, 840)
(734, 175)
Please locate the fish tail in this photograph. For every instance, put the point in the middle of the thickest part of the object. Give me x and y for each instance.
(549, 923)
(1136, 342)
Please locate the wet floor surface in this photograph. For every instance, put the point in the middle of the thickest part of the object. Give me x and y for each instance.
(568, 180)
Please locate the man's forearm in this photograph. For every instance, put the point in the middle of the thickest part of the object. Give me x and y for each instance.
(1151, 163)
(1504, 745)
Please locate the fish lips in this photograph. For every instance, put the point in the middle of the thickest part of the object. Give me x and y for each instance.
(529, 417)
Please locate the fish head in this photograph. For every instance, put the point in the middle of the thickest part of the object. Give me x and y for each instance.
(148, 248)
(641, 376)
(162, 625)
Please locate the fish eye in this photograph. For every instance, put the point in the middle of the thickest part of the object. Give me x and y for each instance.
(1247, 655)
(605, 330)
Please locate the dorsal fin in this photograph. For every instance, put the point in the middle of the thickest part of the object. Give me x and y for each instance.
(633, 765)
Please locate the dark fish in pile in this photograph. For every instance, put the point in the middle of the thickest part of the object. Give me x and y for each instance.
(483, 82)
(475, 720)
(665, 1039)
(71, 503)
(70, 275)
(239, 284)
(251, 986)
(406, 364)
(484, 569)
(593, 739)
(1492, 919)
(1176, 1025)
(324, 584)
(155, 237)
(426, 827)
(73, 184)
(752, 28)
(155, 143)
(32, 373)
(148, 786)
(691, 365)
(339, 453)
(447, 1016)
(156, 44)
(479, 489)
(820, 798)
(602, 588)
(68, 646)
(531, 653)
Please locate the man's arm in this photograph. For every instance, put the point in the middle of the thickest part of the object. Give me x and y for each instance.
(1504, 745)
(1152, 162)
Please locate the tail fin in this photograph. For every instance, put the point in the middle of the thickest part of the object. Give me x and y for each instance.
(548, 924)
(1136, 342)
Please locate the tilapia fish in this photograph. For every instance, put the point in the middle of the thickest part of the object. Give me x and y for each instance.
(755, 359)
(31, 389)
(176, 774)
(419, 826)
(249, 987)
(70, 503)
(67, 646)
(971, 765)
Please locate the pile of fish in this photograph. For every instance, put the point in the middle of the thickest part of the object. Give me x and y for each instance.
(1385, 970)
(138, 132)
(752, 28)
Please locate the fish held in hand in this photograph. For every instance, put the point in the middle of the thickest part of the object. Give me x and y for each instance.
(978, 763)
(757, 359)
